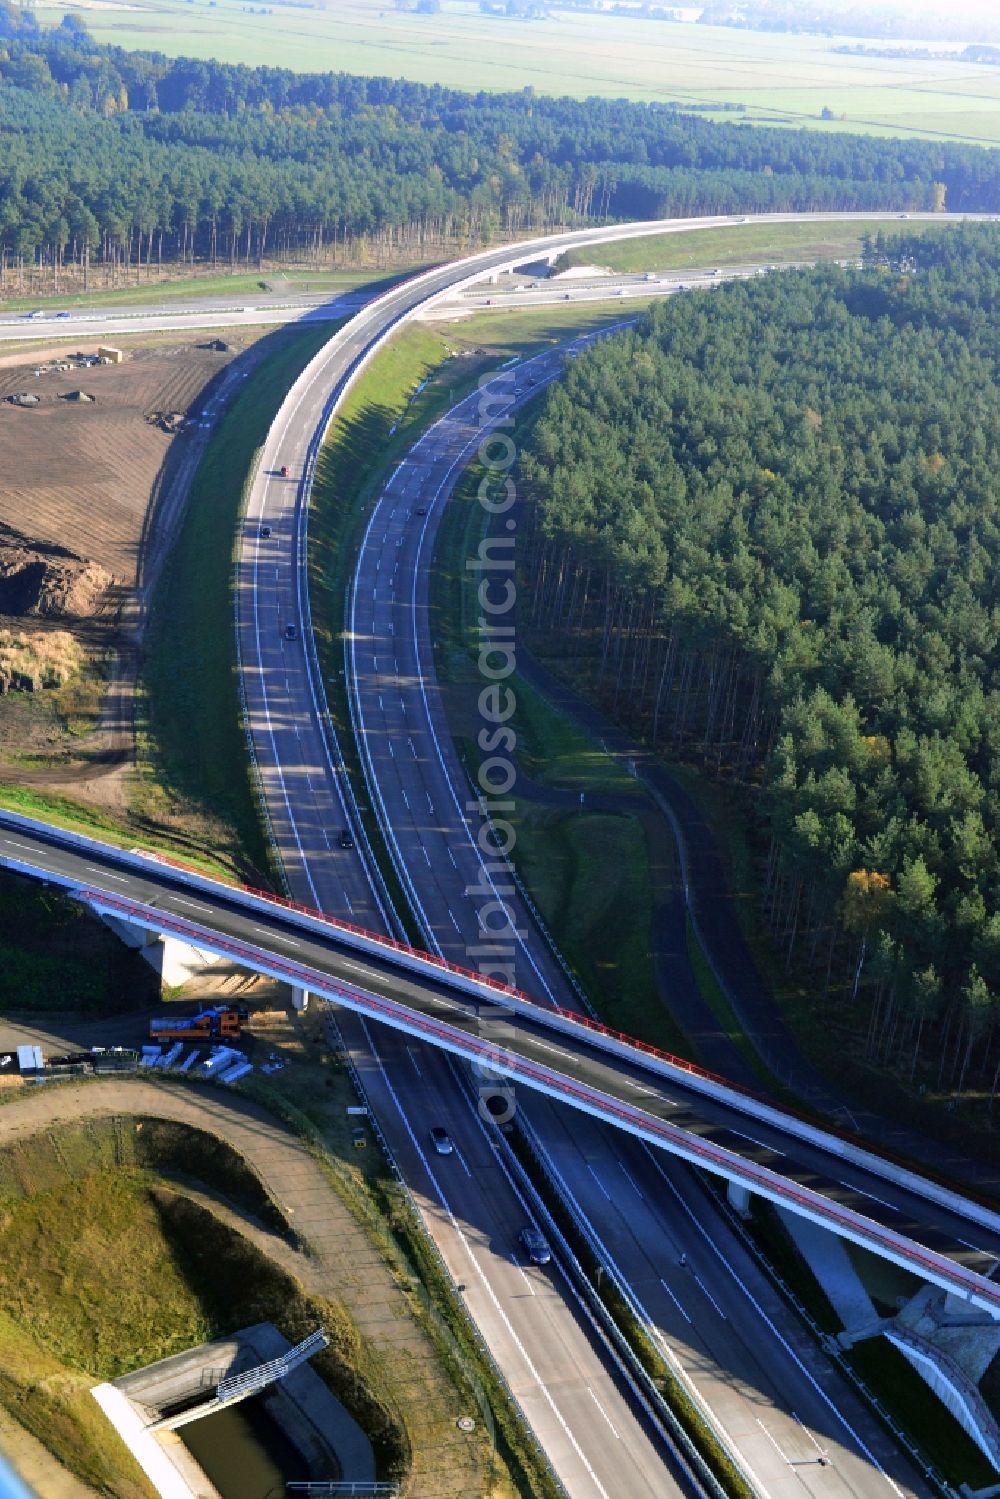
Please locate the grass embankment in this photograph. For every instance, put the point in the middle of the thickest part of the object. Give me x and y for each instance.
(418, 376)
(178, 284)
(190, 739)
(582, 843)
(895, 1384)
(55, 957)
(102, 1270)
(739, 244)
(190, 735)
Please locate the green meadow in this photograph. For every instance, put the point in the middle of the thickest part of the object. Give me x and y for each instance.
(780, 79)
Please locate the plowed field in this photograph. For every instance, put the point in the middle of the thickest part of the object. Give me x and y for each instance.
(81, 475)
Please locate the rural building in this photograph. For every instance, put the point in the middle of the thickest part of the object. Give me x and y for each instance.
(113, 356)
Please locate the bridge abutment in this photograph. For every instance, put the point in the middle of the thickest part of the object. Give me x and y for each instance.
(175, 961)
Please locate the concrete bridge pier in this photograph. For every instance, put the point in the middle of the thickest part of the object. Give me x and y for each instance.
(739, 1198)
(175, 961)
(300, 998)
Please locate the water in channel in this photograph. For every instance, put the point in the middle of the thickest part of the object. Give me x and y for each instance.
(244, 1453)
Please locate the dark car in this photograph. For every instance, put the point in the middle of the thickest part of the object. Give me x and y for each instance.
(420, 510)
(63, 314)
(291, 632)
(283, 471)
(441, 1140)
(265, 531)
(345, 840)
(535, 1245)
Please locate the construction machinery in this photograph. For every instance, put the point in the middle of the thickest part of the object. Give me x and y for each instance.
(218, 1022)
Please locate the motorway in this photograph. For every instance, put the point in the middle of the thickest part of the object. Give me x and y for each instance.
(650, 1221)
(313, 792)
(302, 788)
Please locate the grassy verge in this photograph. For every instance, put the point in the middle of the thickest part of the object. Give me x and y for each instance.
(172, 288)
(190, 735)
(418, 376)
(896, 1386)
(830, 1028)
(88, 1230)
(739, 244)
(588, 868)
(54, 957)
(723, 1011)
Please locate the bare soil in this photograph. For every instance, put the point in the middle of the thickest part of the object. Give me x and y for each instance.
(80, 476)
(89, 495)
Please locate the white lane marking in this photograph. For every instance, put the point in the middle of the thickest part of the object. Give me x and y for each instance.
(392, 752)
(862, 1446)
(870, 1195)
(708, 1293)
(179, 900)
(540, 1384)
(771, 1439)
(451, 856)
(426, 855)
(409, 1053)
(753, 1141)
(104, 873)
(673, 1298)
(406, 799)
(430, 804)
(547, 1046)
(30, 848)
(631, 1181)
(599, 1182)
(604, 1413)
(455, 923)
(520, 1270)
(804, 1428)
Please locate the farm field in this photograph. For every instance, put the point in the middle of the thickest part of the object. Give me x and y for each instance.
(93, 456)
(779, 79)
(740, 244)
(85, 471)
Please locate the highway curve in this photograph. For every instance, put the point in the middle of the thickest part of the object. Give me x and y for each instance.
(301, 784)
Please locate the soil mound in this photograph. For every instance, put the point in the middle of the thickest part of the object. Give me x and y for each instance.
(33, 660)
(54, 586)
